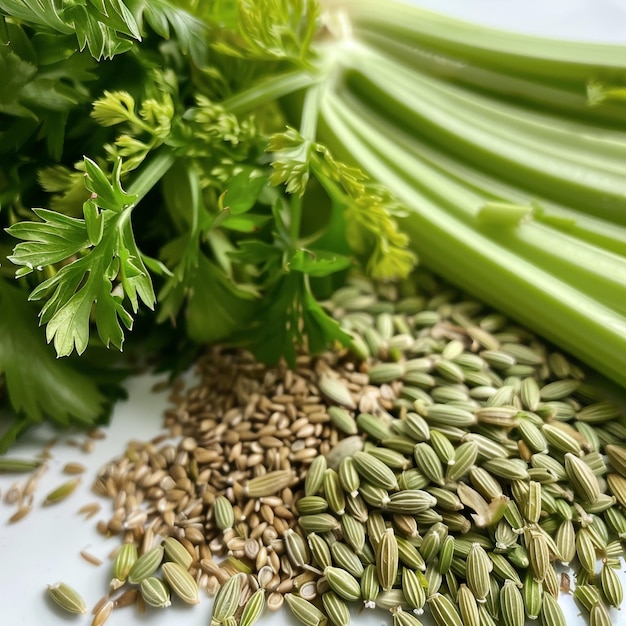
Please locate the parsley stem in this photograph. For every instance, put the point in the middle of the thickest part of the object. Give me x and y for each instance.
(152, 173)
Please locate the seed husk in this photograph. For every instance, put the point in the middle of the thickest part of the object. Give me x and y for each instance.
(103, 613)
(67, 598)
(145, 565)
(154, 592)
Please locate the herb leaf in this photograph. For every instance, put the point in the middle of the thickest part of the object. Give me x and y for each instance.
(103, 265)
(53, 388)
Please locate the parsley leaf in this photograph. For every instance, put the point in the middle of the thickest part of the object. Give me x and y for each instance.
(40, 385)
(99, 250)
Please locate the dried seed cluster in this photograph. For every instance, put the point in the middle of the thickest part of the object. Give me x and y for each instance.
(496, 463)
(227, 491)
(450, 472)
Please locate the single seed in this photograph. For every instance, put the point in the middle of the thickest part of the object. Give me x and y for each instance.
(223, 512)
(253, 608)
(611, 586)
(227, 598)
(176, 552)
(74, 468)
(145, 565)
(343, 583)
(103, 613)
(387, 560)
(90, 558)
(154, 592)
(443, 611)
(67, 598)
(269, 483)
(306, 612)
(61, 492)
(124, 561)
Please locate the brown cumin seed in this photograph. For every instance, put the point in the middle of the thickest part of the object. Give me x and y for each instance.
(90, 558)
(21, 513)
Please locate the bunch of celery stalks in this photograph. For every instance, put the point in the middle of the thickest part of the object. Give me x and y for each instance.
(509, 152)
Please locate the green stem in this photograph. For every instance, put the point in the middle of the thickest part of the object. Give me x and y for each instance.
(308, 130)
(151, 173)
(269, 90)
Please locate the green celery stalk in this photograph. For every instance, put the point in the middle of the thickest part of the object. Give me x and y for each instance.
(555, 171)
(483, 266)
(600, 273)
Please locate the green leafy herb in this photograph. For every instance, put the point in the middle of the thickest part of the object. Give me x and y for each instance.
(210, 171)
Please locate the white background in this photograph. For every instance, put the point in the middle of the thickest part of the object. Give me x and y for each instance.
(44, 547)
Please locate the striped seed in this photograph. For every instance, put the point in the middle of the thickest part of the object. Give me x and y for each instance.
(67, 598)
(387, 559)
(611, 586)
(443, 611)
(374, 471)
(468, 607)
(343, 583)
(227, 598)
(532, 592)
(315, 476)
(154, 592)
(478, 568)
(551, 612)
(145, 565)
(253, 609)
(336, 609)
(511, 604)
(304, 611)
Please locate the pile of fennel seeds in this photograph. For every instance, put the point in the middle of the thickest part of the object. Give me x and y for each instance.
(465, 462)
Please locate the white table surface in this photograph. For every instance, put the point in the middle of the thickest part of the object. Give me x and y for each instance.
(44, 547)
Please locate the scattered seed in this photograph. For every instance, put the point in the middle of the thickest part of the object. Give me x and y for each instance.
(67, 598)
